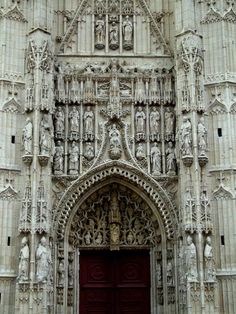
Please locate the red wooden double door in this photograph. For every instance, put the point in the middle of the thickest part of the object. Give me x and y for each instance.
(114, 282)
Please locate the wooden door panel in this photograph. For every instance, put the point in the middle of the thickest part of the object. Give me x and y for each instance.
(96, 271)
(133, 271)
(114, 282)
(95, 301)
(135, 300)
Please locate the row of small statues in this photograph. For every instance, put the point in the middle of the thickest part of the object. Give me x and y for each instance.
(191, 260)
(184, 135)
(156, 158)
(74, 152)
(190, 256)
(100, 33)
(43, 262)
(74, 121)
(140, 117)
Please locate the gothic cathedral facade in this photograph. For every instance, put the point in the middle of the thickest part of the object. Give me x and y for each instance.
(117, 156)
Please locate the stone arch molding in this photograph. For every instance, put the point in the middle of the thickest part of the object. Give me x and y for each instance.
(124, 171)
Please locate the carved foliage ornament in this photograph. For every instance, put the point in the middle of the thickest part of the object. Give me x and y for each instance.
(114, 217)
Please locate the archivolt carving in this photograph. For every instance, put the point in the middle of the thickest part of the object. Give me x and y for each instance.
(125, 171)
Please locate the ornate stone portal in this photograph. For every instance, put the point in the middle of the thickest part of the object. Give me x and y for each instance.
(115, 217)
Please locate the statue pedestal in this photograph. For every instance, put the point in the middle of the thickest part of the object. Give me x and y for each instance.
(115, 153)
(187, 160)
(27, 159)
(43, 160)
(203, 160)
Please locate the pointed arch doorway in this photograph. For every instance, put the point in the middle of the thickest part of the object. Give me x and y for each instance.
(116, 217)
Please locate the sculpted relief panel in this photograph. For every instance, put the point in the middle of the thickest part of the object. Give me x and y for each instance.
(113, 217)
(120, 111)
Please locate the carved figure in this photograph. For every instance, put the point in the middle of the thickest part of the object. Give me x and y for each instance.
(209, 261)
(24, 261)
(100, 33)
(45, 137)
(202, 134)
(156, 159)
(61, 273)
(140, 153)
(185, 137)
(127, 29)
(170, 159)
(114, 136)
(59, 121)
(27, 137)
(89, 151)
(99, 239)
(88, 238)
(70, 274)
(154, 121)
(58, 160)
(169, 123)
(191, 260)
(43, 261)
(74, 120)
(130, 238)
(114, 36)
(74, 158)
(158, 273)
(88, 121)
(139, 90)
(169, 273)
(140, 120)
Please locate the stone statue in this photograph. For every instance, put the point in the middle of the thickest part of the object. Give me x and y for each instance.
(114, 136)
(158, 273)
(27, 137)
(45, 137)
(61, 273)
(185, 137)
(156, 159)
(169, 273)
(43, 261)
(209, 261)
(70, 274)
(100, 33)
(170, 159)
(74, 158)
(88, 238)
(140, 120)
(89, 151)
(154, 122)
(74, 120)
(191, 260)
(88, 121)
(58, 160)
(169, 124)
(202, 134)
(127, 30)
(59, 121)
(114, 36)
(140, 153)
(139, 90)
(99, 239)
(24, 261)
